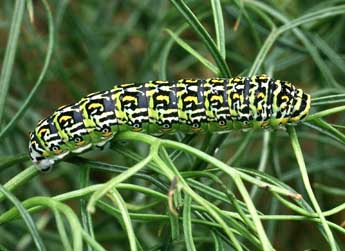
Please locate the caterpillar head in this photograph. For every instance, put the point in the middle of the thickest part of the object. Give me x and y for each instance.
(44, 146)
(38, 154)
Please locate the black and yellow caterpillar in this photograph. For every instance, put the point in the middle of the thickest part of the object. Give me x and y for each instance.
(188, 105)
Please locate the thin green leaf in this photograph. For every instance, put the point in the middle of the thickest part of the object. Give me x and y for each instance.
(30, 8)
(21, 178)
(118, 179)
(218, 244)
(201, 31)
(85, 215)
(26, 217)
(328, 130)
(304, 173)
(193, 52)
(117, 198)
(92, 242)
(187, 224)
(10, 53)
(326, 113)
(165, 53)
(310, 17)
(39, 82)
(62, 230)
(330, 190)
(219, 26)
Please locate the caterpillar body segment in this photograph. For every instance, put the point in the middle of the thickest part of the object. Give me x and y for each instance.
(155, 107)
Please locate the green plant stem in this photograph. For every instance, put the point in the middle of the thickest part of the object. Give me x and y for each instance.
(263, 159)
(118, 200)
(118, 179)
(208, 206)
(236, 176)
(187, 224)
(326, 113)
(85, 215)
(305, 178)
(25, 176)
(27, 219)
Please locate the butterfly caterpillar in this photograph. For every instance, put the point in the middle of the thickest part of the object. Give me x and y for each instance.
(188, 105)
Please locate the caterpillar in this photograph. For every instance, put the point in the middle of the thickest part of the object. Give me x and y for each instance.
(188, 105)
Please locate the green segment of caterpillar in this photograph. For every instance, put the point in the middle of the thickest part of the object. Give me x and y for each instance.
(155, 107)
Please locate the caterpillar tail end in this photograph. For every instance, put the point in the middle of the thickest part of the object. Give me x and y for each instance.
(302, 107)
